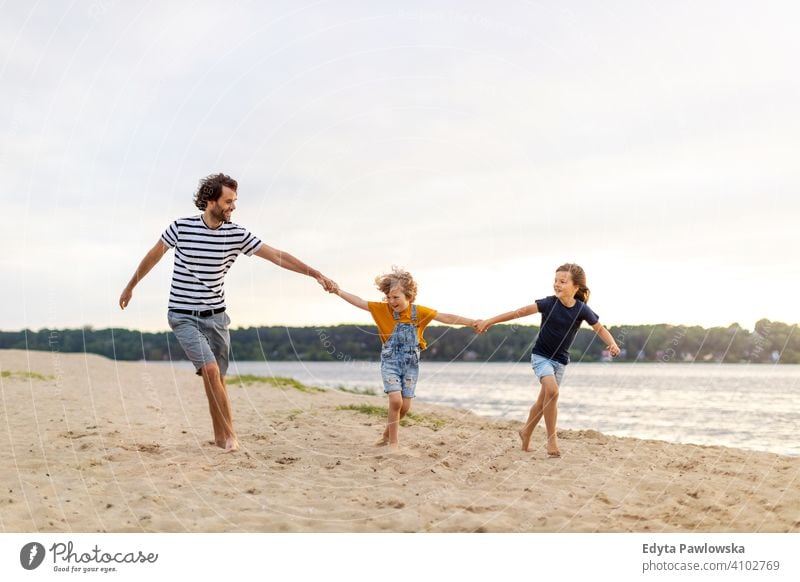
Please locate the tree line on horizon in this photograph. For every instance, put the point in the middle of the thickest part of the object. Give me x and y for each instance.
(769, 342)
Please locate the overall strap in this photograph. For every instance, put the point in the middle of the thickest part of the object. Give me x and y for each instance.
(414, 314)
(394, 314)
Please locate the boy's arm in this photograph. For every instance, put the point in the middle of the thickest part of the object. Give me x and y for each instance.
(607, 338)
(354, 300)
(454, 319)
(508, 316)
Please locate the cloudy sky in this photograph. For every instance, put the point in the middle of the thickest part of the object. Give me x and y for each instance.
(477, 144)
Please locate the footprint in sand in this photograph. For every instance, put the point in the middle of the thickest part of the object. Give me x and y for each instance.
(287, 460)
(143, 448)
(399, 453)
(76, 435)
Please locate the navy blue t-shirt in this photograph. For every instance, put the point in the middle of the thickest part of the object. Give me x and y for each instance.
(559, 326)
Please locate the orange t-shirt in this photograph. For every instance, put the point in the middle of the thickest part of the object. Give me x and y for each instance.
(382, 314)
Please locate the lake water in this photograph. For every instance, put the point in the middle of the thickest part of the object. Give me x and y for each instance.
(737, 405)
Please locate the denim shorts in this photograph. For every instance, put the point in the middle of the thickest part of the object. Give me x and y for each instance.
(546, 367)
(400, 370)
(206, 340)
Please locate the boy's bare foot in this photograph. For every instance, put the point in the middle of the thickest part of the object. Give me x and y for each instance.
(526, 439)
(384, 440)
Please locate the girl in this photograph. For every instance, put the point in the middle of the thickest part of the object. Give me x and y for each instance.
(400, 326)
(562, 315)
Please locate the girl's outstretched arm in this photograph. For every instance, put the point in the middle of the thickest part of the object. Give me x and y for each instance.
(507, 316)
(607, 338)
(353, 299)
(454, 319)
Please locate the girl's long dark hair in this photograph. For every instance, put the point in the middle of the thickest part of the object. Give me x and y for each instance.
(578, 278)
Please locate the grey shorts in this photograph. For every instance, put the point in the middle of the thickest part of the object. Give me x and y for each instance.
(205, 340)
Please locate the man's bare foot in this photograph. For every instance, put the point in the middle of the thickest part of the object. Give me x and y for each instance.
(526, 439)
(382, 442)
(231, 445)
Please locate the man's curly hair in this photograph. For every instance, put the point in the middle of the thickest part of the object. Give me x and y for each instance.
(398, 278)
(210, 188)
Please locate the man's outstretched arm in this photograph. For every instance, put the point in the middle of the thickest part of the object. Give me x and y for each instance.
(148, 262)
(292, 263)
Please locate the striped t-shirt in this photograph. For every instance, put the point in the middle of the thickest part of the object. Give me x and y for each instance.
(202, 258)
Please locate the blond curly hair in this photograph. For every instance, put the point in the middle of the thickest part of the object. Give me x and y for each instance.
(397, 278)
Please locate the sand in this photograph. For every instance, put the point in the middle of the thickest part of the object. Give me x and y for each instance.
(93, 445)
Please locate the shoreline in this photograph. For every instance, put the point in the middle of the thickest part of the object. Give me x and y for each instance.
(103, 446)
(506, 393)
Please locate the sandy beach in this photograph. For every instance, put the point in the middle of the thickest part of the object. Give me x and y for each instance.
(93, 445)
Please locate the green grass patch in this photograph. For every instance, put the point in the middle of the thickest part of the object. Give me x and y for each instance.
(26, 375)
(369, 409)
(411, 418)
(274, 381)
(294, 413)
(431, 422)
(359, 391)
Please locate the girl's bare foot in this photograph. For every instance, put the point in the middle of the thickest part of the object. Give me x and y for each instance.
(231, 445)
(552, 447)
(526, 439)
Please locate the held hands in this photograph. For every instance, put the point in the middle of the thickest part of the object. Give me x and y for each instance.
(328, 284)
(614, 349)
(481, 326)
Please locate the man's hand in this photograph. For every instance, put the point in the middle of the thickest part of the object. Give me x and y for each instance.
(125, 298)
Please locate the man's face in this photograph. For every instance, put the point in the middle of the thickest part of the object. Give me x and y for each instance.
(222, 208)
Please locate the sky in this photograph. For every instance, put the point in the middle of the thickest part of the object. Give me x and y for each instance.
(479, 145)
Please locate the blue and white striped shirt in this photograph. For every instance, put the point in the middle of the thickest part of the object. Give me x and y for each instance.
(202, 258)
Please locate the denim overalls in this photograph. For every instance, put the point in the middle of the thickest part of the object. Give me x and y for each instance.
(400, 357)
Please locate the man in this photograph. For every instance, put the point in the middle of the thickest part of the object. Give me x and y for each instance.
(206, 246)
